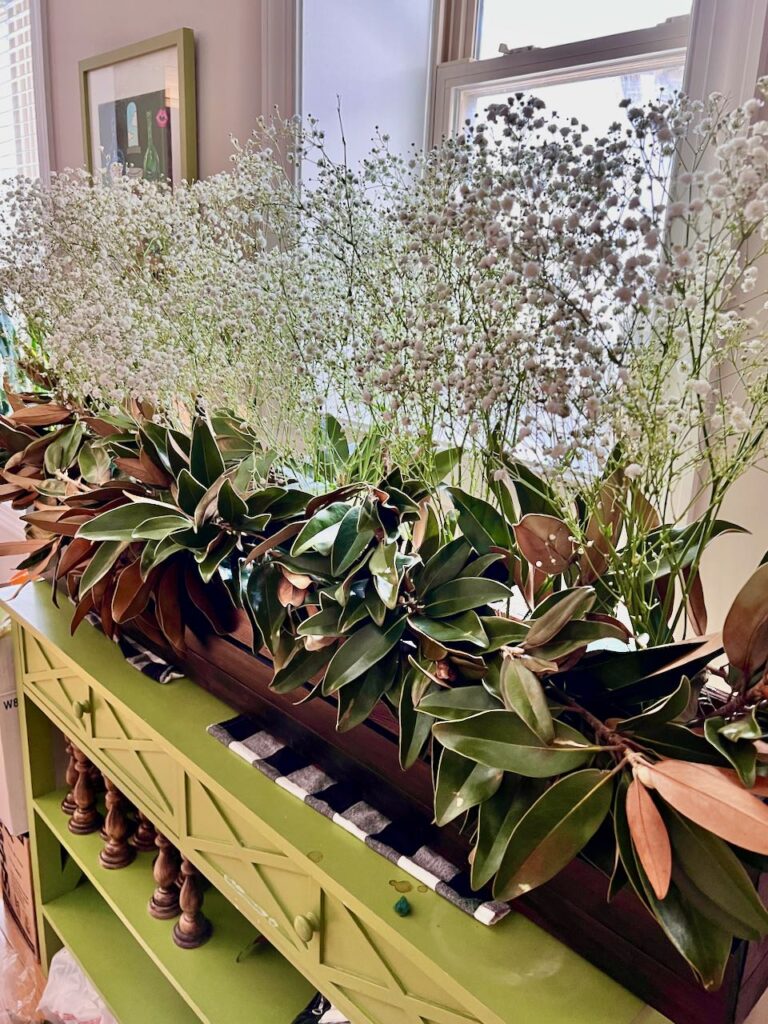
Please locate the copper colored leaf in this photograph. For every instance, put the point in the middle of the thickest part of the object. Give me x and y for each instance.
(143, 470)
(649, 837)
(83, 608)
(132, 593)
(168, 606)
(74, 553)
(696, 605)
(21, 547)
(288, 595)
(702, 793)
(213, 600)
(546, 542)
(43, 415)
(272, 542)
(745, 633)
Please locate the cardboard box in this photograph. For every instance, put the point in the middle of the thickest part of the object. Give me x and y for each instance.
(13, 800)
(16, 879)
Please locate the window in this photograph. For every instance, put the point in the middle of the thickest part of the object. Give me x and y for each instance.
(553, 49)
(18, 119)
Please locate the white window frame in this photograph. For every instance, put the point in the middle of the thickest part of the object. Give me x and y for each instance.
(532, 67)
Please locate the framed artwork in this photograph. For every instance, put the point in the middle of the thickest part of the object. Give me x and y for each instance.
(139, 110)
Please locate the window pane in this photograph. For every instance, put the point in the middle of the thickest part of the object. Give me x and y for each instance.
(18, 131)
(595, 101)
(552, 22)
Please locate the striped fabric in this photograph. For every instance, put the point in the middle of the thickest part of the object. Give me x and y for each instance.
(140, 657)
(407, 847)
(320, 1011)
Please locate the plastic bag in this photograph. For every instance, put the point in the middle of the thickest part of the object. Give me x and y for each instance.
(69, 997)
(18, 988)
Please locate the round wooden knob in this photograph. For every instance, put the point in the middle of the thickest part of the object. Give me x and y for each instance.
(305, 926)
(80, 708)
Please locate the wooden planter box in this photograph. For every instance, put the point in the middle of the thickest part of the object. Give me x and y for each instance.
(620, 938)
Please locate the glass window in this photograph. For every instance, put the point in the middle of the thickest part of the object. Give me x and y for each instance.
(594, 100)
(552, 22)
(18, 124)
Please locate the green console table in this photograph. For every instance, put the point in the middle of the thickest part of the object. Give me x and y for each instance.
(276, 867)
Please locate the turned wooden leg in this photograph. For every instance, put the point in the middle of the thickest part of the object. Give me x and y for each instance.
(85, 818)
(68, 804)
(144, 836)
(193, 928)
(117, 853)
(165, 900)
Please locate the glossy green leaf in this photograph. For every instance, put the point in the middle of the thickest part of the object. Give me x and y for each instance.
(445, 565)
(479, 566)
(464, 628)
(714, 868)
(360, 652)
(94, 464)
(553, 831)
(414, 728)
(62, 451)
(190, 492)
(320, 532)
(523, 693)
(457, 702)
(572, 637)
(160, 527)
(741, 754)
(101, 562)
(744, 728)
(119, 523)
(497, 819)
(463, 595)
(443, 464)
(300, 668)
(263, 605)
(501, 739)
(356, 531)
(573, 605)
(216, 553)
(665, 710)
(357, 699)
(205, 460)
(503, 632)
(676, 741)
(231, 506)
(156, 552)
(462, 784)
(479, 521)
(324, 623)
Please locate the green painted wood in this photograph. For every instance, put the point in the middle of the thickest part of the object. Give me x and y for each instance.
(259, 988)
(132, 986)
(516, 972)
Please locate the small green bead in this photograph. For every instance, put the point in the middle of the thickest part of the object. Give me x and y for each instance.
(403, 907)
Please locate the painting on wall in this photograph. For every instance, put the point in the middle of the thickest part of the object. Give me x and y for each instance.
(139, 110)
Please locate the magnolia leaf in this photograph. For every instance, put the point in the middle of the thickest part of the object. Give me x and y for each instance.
(61, 452)
(357, 699)
(479, 566)
(715, 869)
(132, 593)
(443, 464)
(120, 523)
(501, 739)
(503, 632)
(665, 710)
(533, 493)
(445, 565)
(319, 533)
(231, 506)
(703, 945)
(43, 415)
(678, 742)
(462, 784)
(744, 728)
(464, 628)
(696, 605)
(479, 521)
(383, 563)
(545, 542)
(94, 464)
(649, 837)
(159, 527)
(745, 632)
(414, 728)
(360, 652)
(741, 753)
(457, 703)
(572, 637)
(263, 605)
(102, 561)
(300, 668)
(553, 831)
(710, 799)
(462, 595)
(206, 462)
(324, 623)
(575, 604)
(355, 533)
(497, 819)
(522, 693)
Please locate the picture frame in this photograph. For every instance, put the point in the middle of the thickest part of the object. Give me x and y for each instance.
(139, 109)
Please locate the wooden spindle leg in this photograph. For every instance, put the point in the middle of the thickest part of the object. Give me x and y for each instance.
(85, 818)
(117, 853)
(68, 804)
(193, 928)
(165, 900)
(144, 836)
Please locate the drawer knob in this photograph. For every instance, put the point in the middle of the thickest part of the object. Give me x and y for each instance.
(80, 708)
(305, 926)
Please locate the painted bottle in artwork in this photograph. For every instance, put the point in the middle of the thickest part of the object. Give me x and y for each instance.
(132, 128)
(151, 156)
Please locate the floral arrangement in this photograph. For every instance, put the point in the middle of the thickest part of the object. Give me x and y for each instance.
(434, 431)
